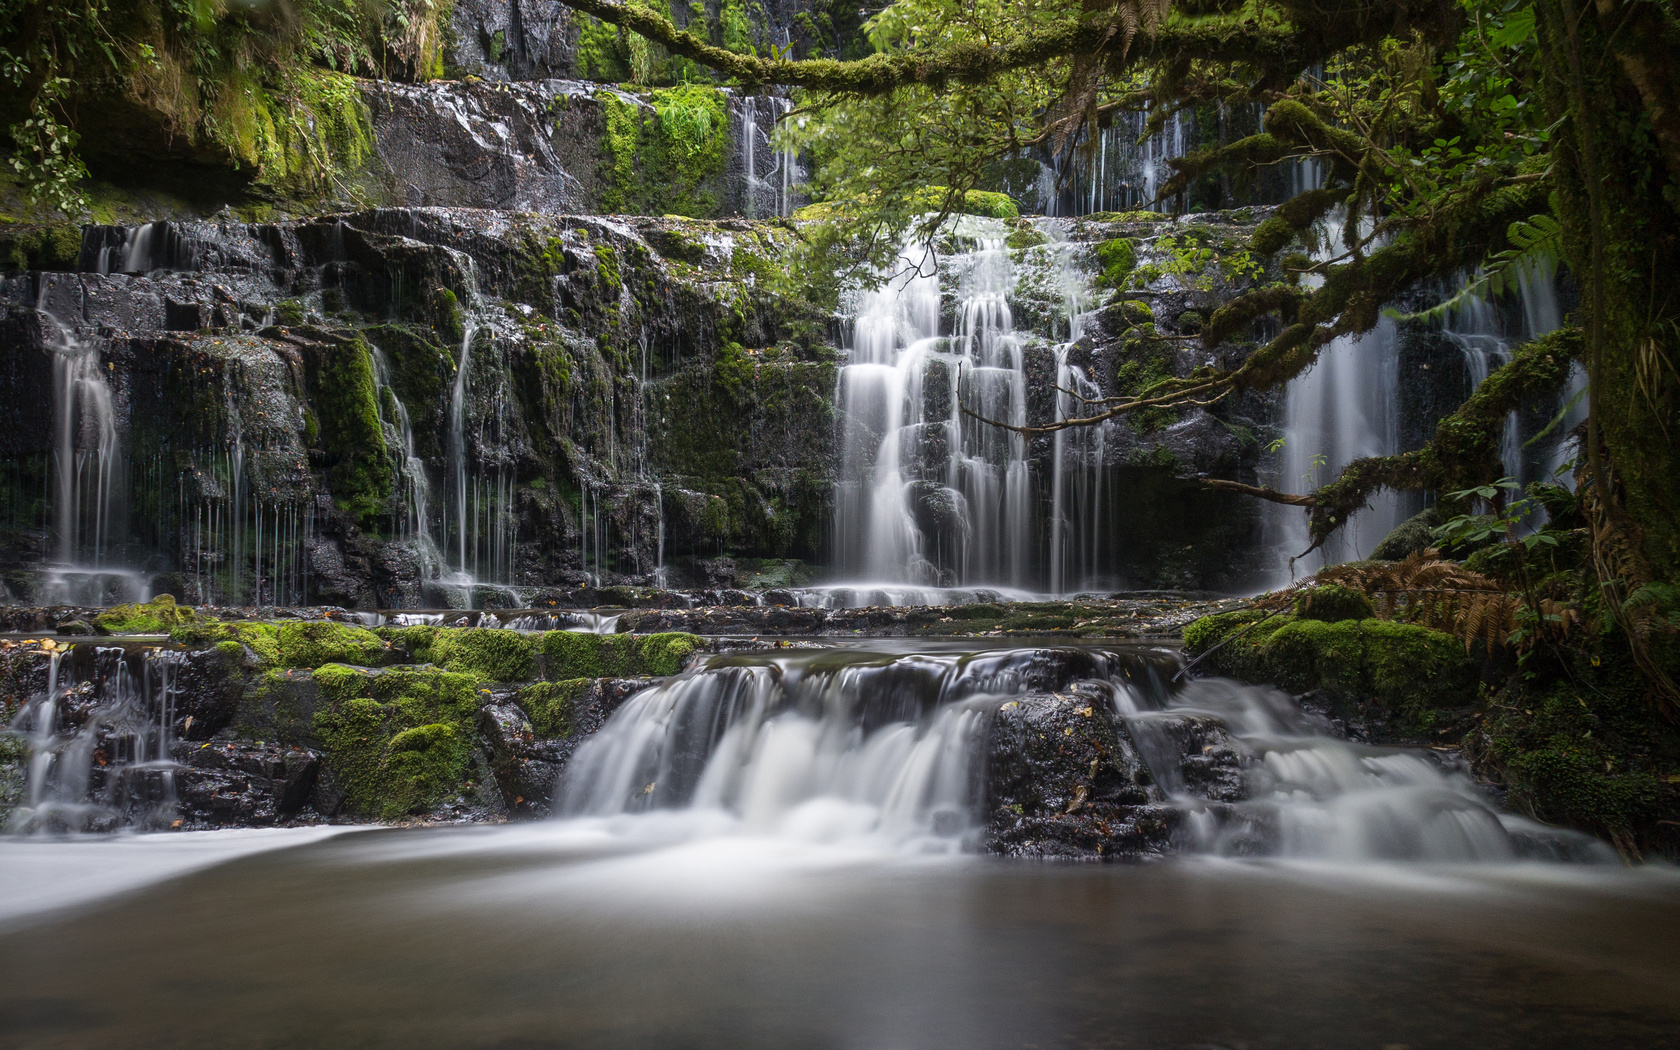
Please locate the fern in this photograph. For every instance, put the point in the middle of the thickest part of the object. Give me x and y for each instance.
(1537, 242)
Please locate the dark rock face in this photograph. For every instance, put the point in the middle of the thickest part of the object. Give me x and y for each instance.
(246, 784)
(1064, 781)
(322, 397)
(522, 147)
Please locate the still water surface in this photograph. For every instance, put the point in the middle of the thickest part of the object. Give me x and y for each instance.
(645, 931)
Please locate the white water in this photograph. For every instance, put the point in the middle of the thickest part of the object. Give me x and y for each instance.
(88, 474)
(887, 749)
(1342, 408)
(928, 497)
(91, 770)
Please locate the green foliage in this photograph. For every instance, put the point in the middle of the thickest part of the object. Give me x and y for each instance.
(667, 162)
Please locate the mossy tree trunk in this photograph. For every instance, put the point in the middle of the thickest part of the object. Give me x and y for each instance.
(1618, 198)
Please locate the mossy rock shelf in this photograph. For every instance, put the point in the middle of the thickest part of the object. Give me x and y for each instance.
(395, 712)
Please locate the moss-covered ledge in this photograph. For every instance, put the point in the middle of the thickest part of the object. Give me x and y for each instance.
(1400, 676)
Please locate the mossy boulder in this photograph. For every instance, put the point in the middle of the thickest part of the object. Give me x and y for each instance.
(1333, 603)
(396, 742)
(1118, 258)
(158, 616)
(1372, 667)
(1412, 536)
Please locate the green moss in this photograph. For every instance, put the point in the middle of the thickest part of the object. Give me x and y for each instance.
(732, 371)
(568, 654)
(1117, 257)
(668, 161)
(1025, 236)
(262, 640)
(498, 655)
(290, 312)
(600, 53)
(984, 203)
(1333, 603)
(342, 394)
(551, 706)
(41, 248)
(158, 616)
(397, 742)
(1138, 312)
(311, 643)
(1408, 670)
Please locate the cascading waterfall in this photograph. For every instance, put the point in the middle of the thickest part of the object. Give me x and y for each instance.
(1342, 408)
(88, 472)
(1482, 331)
(855, 745)
(928, 497)
(485, 527)
(1078, 468)
(99, 741)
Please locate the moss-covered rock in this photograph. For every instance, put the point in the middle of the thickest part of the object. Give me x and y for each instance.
(551, 706)
(158, 616)
(396, 742)
(1408, 672)
(569, 655)
(1333, 603)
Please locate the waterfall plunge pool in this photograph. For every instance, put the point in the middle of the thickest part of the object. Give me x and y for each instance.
(802, 874)
(651, 933)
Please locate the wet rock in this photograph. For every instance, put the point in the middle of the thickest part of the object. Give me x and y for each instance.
(530, 735)
(1063, 781)
(1192, 755)
(244, 784)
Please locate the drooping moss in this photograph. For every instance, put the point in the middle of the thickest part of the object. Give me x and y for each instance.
(342, 393)
(667, 158)
(157, 616)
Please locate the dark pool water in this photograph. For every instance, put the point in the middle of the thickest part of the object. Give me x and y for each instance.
(653, 932)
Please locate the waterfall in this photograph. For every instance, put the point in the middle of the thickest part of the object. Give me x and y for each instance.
(766, 189)
(1487, 334)
(889, 747)
(928, 497)
(99, 741)
(1121, 169)
(789, 746)
(88, 471)
(1342, 408)
(482, 515)
(1078, 468)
